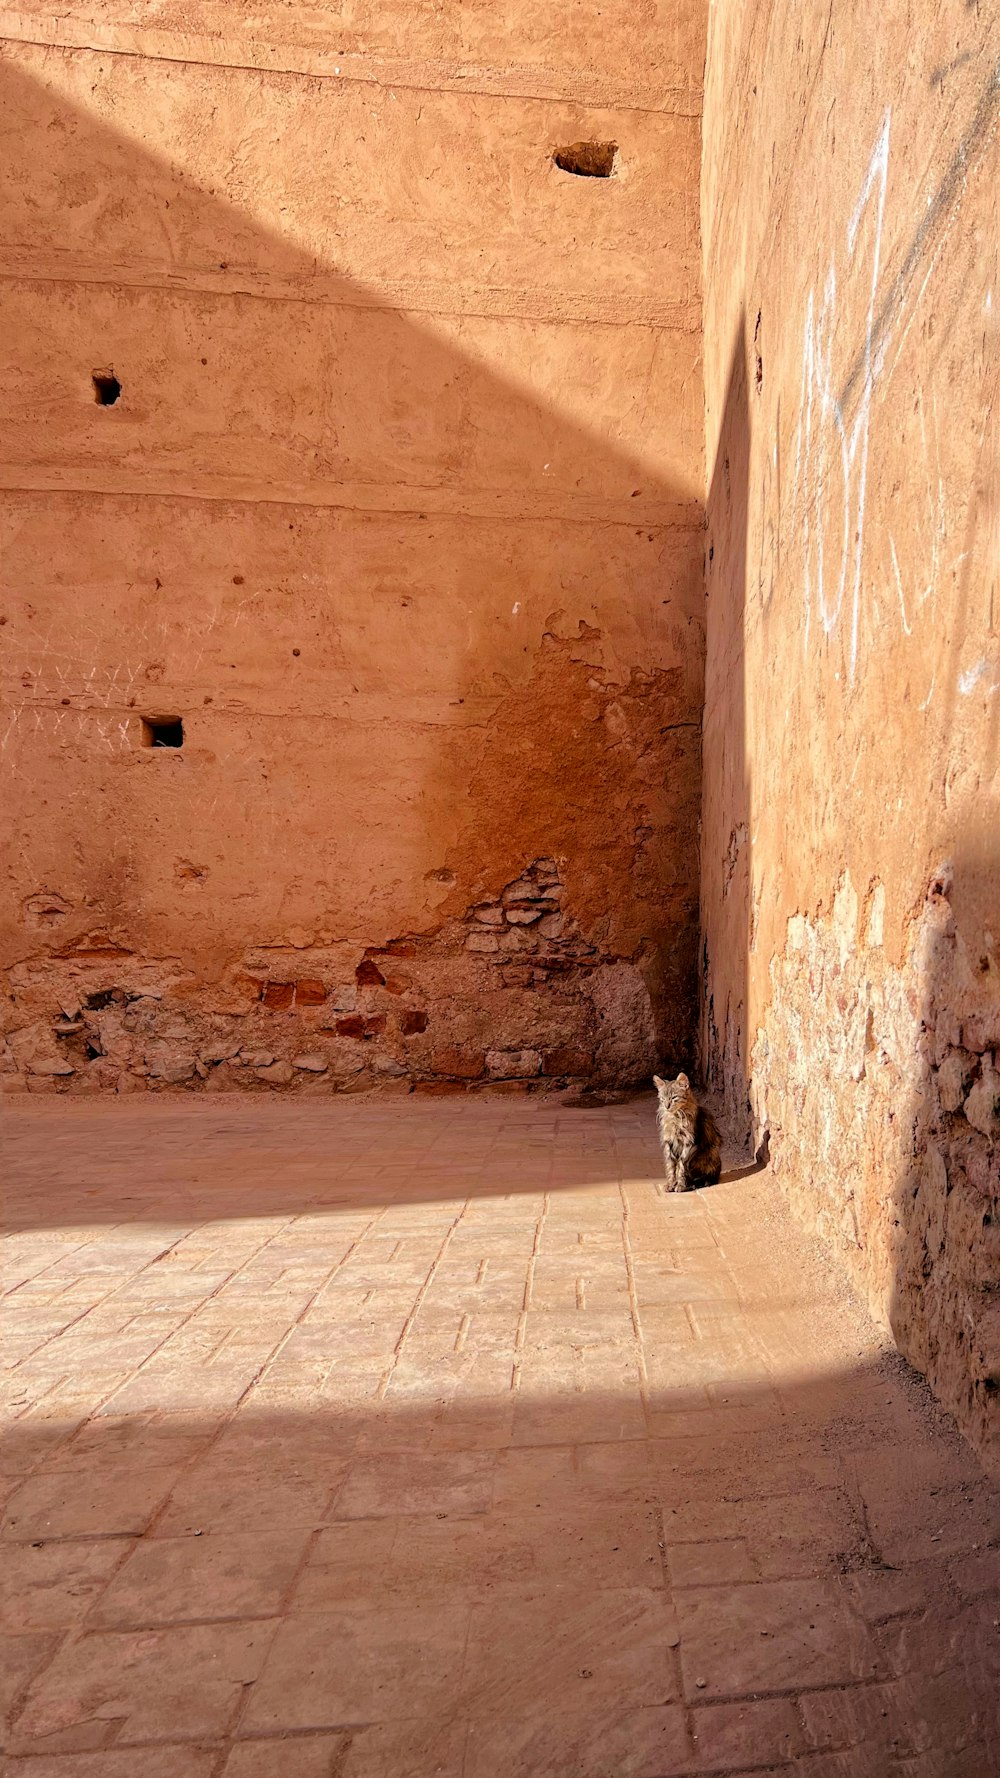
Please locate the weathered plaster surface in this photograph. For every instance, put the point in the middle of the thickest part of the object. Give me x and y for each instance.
(400, 510)
(851, 844)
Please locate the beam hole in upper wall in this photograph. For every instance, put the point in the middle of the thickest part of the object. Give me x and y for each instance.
(162, 731)
(588, 160)
(107, 388)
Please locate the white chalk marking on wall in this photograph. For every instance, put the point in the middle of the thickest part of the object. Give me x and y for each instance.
(825, 435)
(899, 585)
(968, 680)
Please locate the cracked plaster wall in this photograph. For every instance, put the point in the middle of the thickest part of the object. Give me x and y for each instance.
(851, 838)
(400, 510)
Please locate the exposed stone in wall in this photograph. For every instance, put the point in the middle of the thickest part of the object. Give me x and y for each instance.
(879, 1088)
(514, 991)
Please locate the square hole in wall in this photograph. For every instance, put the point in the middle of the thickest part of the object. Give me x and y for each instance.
(107, 388)
(162, 731)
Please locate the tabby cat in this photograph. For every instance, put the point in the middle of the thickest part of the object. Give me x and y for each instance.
(691, 1144)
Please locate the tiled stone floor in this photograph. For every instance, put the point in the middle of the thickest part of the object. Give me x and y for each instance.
(383, 1440)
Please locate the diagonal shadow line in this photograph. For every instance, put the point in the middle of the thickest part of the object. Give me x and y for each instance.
(338, 408)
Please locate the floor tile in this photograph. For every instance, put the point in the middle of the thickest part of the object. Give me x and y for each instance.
(201, 1578)
(147, 1682)
(775, 1636)
(362, 1664)
(545, 1651)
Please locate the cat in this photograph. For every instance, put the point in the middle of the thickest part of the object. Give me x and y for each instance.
(691, 1144)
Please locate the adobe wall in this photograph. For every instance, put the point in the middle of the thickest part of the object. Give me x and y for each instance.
(399, 510)
(851, 846)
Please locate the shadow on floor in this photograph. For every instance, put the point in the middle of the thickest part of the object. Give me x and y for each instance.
(595, 1482)
(535, 1586)
(176, 1155)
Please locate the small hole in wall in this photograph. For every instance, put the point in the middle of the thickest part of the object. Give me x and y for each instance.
(162, 731)
(107, 388)
(588, 160)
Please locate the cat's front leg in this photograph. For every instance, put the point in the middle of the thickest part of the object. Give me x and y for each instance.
(680, 1173)
(673, 1172)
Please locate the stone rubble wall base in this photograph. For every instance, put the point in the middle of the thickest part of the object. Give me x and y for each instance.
(879, 1090)
(512, 994)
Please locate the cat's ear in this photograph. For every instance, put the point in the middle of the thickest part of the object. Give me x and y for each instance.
(658, 1083)
(682, 1080)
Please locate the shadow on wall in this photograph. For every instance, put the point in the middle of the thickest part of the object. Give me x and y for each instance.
(949, 1195)
(945, 1299)
(726, 877)
(423, 627)
(944, 1305)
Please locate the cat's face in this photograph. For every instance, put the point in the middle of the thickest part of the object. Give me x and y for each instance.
(670, 1091)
